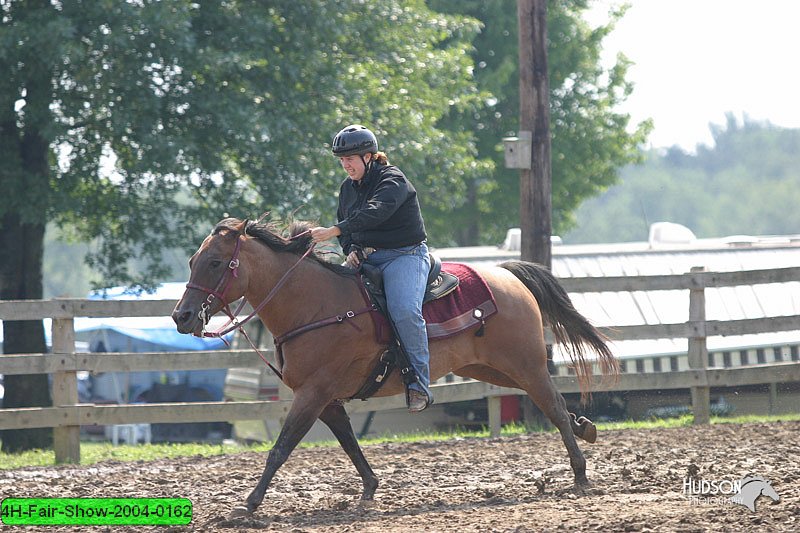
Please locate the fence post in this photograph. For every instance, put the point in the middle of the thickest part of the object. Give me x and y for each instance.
(66, 439)
(773, 397)
(698, 351)
(494, 406)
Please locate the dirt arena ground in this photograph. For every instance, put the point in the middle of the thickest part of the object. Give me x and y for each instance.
(515, 484)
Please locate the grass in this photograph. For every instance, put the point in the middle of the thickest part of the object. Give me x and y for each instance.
(687, 420)
(94, 452)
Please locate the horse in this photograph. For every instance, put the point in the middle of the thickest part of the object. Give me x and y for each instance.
(327, 364)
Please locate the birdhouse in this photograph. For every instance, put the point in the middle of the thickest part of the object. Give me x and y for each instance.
(518, 150)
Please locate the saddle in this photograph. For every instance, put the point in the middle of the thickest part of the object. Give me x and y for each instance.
(440, 284)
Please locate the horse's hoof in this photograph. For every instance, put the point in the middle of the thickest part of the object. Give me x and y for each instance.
(585, 429)
(590, 433)
(582, 483)
(366, 504)
(239, 512)
(370, 487)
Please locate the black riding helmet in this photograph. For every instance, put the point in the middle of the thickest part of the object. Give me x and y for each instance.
(354, 140)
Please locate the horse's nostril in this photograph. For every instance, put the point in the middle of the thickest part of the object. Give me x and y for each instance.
(182, 318)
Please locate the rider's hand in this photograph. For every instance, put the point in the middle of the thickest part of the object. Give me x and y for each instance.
(320, 234)
(352, 260)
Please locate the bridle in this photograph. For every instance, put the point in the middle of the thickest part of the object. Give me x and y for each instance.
(222, 287)
(234, 323)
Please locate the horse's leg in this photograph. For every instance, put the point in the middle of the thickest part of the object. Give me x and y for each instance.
(305, 409)
(336, 418)
(582, 427)
(537, 383)
(545, 395)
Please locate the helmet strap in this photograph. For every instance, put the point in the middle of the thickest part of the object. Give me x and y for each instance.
(367, 164)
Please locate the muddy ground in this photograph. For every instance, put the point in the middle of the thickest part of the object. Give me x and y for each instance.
(515, 484)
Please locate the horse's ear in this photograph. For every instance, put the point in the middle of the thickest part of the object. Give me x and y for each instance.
(242, 229)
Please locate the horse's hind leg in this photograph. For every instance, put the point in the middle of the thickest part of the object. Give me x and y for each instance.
(545, 395)
(336, 418)
(583, 428)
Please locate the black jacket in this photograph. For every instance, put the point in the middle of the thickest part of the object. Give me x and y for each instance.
(381, 210)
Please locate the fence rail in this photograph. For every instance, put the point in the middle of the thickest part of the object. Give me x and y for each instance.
(67, 415)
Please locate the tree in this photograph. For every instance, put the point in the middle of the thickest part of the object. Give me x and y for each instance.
(590, 139)
(135, 125)
(745, 183)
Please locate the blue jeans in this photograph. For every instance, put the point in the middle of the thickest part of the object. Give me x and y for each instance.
(405, 276)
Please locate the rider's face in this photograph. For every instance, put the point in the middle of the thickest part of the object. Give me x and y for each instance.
(354, 165)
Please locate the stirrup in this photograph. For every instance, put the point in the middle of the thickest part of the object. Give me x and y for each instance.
(414, 379)
(420, 402)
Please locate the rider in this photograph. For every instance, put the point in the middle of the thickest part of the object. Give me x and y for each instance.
(379, 214)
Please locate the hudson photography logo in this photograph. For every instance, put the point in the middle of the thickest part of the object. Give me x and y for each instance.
(745, 491)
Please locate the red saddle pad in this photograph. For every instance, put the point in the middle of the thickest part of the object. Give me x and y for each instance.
(453, 313)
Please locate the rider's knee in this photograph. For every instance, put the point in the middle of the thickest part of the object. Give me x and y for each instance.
(404, 313)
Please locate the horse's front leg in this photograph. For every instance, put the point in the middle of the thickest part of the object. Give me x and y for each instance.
(306, 408)
(336, 418)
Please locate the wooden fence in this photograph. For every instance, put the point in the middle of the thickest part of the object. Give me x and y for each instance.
(67, 415)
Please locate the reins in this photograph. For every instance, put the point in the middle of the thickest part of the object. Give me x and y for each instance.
(233, 322)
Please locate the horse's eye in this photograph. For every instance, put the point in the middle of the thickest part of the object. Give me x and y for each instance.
(215, 263)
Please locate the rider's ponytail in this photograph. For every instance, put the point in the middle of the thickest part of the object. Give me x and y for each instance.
(381, 158)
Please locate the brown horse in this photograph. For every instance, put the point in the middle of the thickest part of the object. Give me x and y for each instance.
(327, 364)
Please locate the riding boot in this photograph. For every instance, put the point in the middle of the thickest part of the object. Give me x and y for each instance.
(417, 397)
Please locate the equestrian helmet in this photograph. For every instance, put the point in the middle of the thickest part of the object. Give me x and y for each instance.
(354, 139)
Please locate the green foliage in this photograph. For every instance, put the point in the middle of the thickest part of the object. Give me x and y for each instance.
(590, 139)
(161, 117)
(746, 183)
(400, 68)
(64, 274)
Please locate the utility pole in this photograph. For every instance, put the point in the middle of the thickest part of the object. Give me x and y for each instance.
(530, 152)
(534, 104)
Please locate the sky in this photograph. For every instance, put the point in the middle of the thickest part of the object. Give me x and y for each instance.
(696, 60)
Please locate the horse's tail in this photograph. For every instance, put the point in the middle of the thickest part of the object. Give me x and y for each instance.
(569, 327)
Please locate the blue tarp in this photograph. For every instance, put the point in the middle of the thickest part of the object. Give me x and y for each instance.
(147, 334)
(153, 333)
(155, 339)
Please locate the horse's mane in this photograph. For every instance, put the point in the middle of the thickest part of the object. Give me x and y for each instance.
(297, 241)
